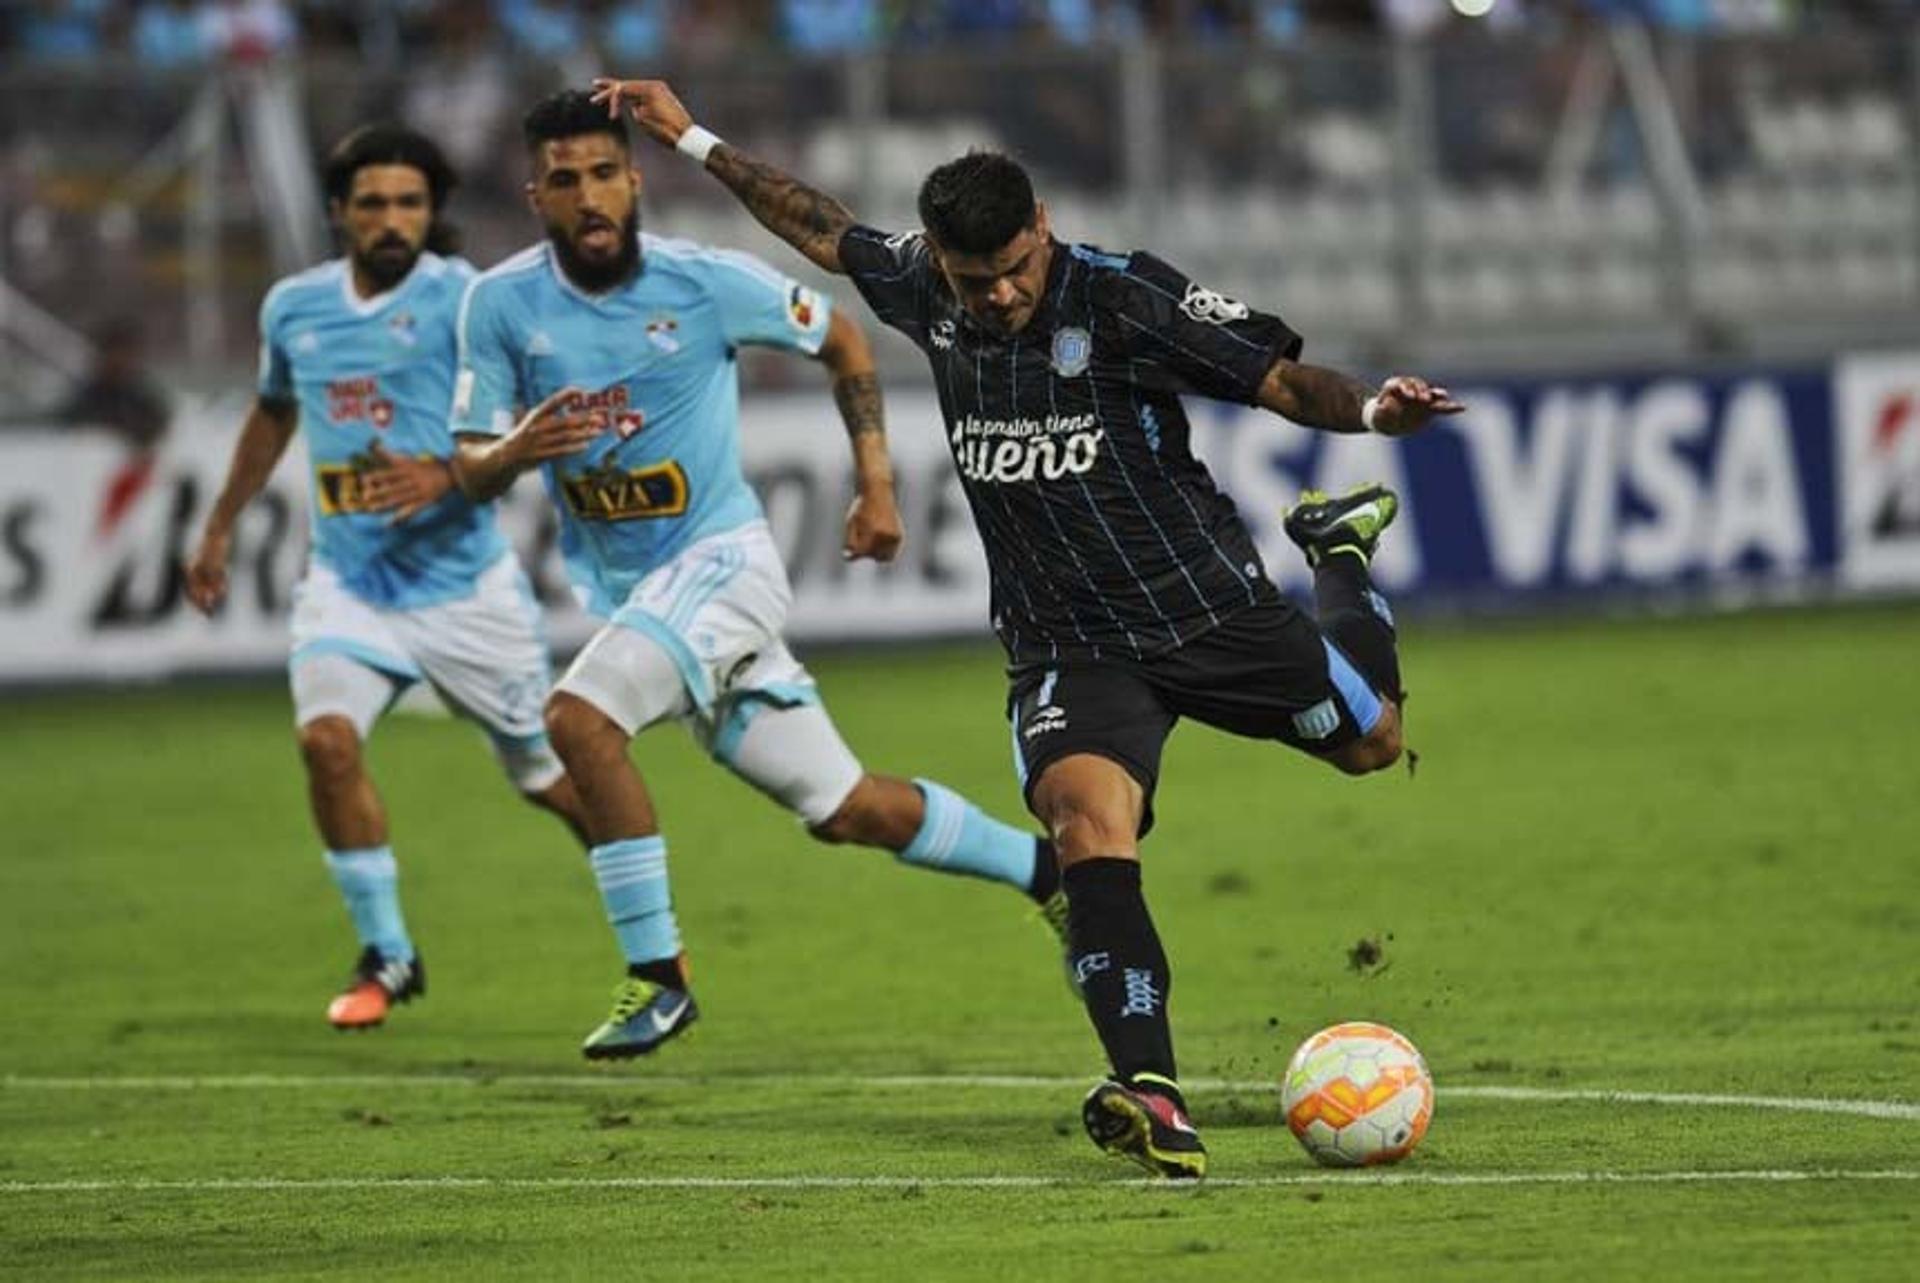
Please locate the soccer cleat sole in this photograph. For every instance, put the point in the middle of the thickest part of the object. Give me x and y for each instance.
(1119, 1126)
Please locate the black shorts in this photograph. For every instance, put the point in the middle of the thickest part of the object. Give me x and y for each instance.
(1267, 672)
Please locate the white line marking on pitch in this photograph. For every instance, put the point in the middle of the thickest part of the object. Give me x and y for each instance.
(1908, 1111)
(271, 1184)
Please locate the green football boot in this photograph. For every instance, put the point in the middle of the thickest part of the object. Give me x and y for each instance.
(1322, 525)
(644, 1015)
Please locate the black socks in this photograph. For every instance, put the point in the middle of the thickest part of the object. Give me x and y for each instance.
(1119, 964)
(1356, 618)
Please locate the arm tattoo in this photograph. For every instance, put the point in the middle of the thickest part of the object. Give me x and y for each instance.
(810, 221)
(858, 396)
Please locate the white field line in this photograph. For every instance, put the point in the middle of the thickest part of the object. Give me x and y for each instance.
(1900, 1110)
(271, 1184)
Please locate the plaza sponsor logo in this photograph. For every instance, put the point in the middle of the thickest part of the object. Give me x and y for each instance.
(1006, 451)
(609, 493)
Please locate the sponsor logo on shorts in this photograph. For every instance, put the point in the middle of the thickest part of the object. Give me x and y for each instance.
(1044, 721)
(616, 494)
(1318, 722)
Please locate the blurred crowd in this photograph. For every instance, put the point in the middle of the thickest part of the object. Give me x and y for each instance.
(184, 34)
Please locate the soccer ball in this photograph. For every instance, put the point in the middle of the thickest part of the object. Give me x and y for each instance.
(1357, 1094)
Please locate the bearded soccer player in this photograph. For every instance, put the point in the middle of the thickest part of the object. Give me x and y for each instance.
(409, 579)
(621, 349)
(1125, 588)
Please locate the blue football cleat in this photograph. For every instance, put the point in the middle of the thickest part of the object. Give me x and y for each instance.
(644, 1015)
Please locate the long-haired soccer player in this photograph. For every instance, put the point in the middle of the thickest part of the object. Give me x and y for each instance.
(1125, 588)
(607, 357)
(409, 580)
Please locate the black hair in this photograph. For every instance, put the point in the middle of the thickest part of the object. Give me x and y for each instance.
(391, 144)
(976, 204)
(569, 114)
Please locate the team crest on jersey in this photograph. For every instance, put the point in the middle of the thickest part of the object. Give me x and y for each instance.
(1210, 307)
(539, 344)
(1072, 351)
(402, 327)
(306, 341)
(900, 240)
(663, 333)
(802, 306)
(942, 334)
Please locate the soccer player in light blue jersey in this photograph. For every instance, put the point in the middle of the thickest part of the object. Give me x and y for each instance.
(609, 357)
(409, 580)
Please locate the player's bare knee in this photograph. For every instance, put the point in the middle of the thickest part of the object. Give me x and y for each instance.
(580, 733)
(1378, 749)
(853, 819)
(331, 748)
(1080, 831)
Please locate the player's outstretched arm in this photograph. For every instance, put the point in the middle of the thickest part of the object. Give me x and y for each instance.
(483, 467)
(810, 221)
(1317, 397)
(874, 528)
(270, 426)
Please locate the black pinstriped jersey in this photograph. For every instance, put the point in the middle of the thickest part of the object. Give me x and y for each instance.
(1105, 537)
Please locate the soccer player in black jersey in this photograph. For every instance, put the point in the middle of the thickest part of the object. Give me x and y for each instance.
(1125, 588)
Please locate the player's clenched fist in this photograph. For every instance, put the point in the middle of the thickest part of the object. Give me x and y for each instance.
(874, 528)
(207, 571)
(651, 103)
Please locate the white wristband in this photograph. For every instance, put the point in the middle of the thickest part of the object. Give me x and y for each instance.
(697, 143)
(1368, 409)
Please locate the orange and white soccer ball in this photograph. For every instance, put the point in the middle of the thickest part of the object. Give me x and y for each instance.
(1357, 1094)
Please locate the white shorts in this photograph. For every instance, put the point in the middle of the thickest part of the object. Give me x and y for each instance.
(486, 655)
(698, 641)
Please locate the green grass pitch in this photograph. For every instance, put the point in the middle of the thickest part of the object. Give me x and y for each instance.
(1659, 856)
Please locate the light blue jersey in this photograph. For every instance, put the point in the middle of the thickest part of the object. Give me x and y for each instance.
(377, 370)
(657, 354)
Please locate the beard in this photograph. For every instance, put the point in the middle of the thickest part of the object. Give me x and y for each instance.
(598, 275)
(386, 263)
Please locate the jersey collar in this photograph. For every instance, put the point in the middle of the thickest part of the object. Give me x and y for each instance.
(1047, 314)
(368, 306)
(598, 300)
